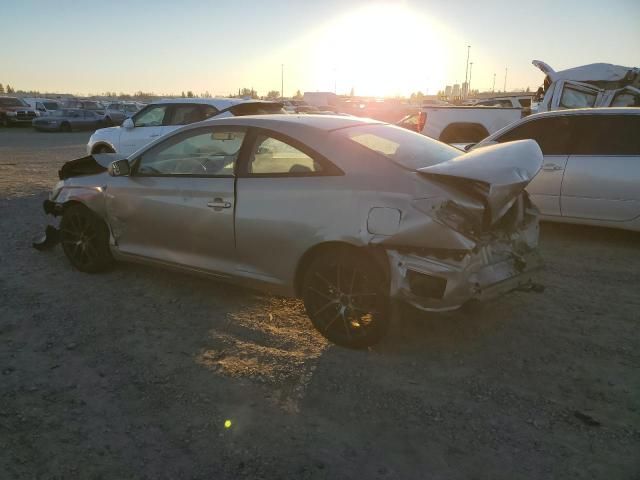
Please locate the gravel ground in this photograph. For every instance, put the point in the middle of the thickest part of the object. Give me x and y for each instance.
(133, 373)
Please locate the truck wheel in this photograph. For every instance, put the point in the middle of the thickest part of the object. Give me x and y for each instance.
(85, 239)
(65, 127)
(346, 298)
(102, 149)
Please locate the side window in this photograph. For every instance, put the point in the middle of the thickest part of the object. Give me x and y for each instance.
(151, 116)
(201, 152)
(606, 135)
(626, 98)
(272, 156)
(551, 134)
(209, 111)
(89, 114)
(573, 97)
(186, 114)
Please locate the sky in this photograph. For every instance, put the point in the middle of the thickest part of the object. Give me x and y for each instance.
(379, 48)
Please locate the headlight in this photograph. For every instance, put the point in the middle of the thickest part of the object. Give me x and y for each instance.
(11, 114)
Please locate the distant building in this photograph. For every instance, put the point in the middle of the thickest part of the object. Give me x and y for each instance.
(465, 90)
(448, 91)
(456, 91)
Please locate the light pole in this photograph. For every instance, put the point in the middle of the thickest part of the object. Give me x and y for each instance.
(466, 70)
(505, 79)
(282, 81)
(470, 71)
(493, 89)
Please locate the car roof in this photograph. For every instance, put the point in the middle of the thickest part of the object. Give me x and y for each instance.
(219, 103)
(325, 123)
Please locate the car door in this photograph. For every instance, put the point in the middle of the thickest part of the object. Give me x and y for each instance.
(76, 119)
(282, 184)
(90, 119)
(177, 206)
(147, 126)
(552, 135)
(602, 177)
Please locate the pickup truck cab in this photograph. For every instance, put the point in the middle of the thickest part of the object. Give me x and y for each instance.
(587, 86)
(15, 111)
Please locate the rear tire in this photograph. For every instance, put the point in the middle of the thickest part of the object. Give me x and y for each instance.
(346, 297)
(65, 127)
(85, 239)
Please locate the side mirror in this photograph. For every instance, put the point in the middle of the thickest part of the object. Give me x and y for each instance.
(128, 124)
(119, 168)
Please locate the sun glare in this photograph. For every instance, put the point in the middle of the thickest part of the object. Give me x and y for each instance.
(380, 50)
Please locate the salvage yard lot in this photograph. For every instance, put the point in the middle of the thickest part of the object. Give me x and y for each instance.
(133, 373)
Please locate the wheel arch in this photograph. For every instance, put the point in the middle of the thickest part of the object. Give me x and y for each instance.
(452, 132)
(376, 254)
(100, 144)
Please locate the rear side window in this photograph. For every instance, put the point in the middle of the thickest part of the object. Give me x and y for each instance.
(551, 134)
(605, 135)
(255, 108)
(273, 156)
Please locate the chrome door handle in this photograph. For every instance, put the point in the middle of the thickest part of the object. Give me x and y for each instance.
(219, 203)
(551, 167)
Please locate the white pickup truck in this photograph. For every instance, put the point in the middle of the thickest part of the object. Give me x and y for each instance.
(595, 85)
(460, 125)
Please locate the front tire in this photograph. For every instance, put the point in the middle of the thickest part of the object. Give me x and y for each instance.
(346, 297)
(85, 239)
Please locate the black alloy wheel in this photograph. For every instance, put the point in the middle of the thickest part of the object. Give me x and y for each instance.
(346, 297)
(85, 239)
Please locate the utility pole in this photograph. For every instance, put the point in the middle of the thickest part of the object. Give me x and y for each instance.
(505, 79)
(493, 89)
(470, 71)
(466, 71)
(282, 81)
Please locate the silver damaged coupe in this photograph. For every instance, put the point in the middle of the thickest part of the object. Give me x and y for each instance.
(349, 214)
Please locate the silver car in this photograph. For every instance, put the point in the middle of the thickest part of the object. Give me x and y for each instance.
(348, 214)
(591, 168)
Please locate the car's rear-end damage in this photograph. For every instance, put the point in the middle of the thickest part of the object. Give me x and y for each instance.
(474, 234)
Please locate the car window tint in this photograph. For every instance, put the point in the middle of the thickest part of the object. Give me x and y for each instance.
(272, 156)
(551, 134)
(605, 135)
(151, 117)
(208, 111)
(203, 153)
(186, 114)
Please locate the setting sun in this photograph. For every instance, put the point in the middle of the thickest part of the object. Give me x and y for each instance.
(381, 50)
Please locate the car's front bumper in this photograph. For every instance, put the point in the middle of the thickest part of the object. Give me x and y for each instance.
(433, 284)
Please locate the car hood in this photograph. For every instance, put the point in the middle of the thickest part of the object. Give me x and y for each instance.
(107, 131)
(495, 175)
(89, 165)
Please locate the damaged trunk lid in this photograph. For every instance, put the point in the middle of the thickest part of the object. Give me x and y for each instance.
(485, 183)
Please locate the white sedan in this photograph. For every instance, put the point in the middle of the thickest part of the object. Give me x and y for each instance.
(591, 169)
(159, 118)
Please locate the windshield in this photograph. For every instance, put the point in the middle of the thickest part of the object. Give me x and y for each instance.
(12, 102)
(50, 105)
(408, 149)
